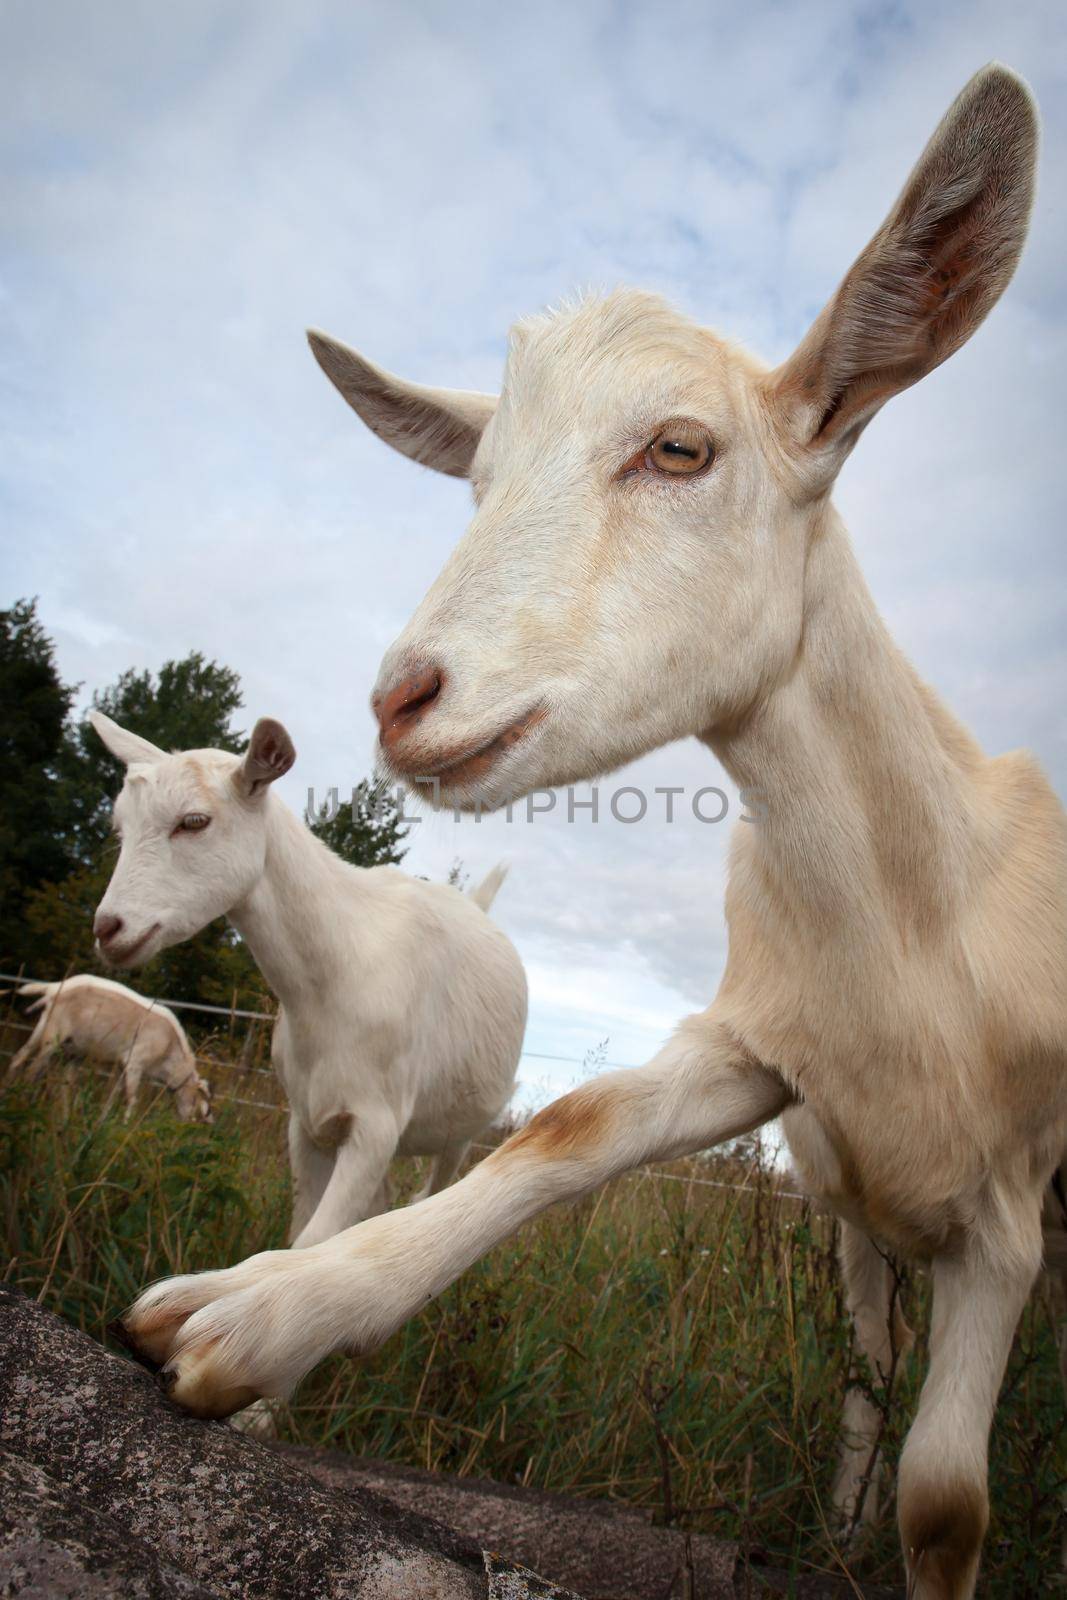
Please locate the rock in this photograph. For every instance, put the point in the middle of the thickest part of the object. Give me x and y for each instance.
(604, 1550)
(110, 1481)
(108, 1490)
(51, 1544)
(601, 1549)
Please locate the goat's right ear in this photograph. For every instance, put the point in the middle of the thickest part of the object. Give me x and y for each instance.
(269, 756)
(129, 748)
(439, 427)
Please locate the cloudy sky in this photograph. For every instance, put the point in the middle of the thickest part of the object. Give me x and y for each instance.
(183, 189)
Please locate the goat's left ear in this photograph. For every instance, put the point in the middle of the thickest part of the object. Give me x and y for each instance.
(936, 266)
(439, 427)
(270, 754)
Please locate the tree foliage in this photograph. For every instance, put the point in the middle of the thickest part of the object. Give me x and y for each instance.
(368, 830)
(33, 745)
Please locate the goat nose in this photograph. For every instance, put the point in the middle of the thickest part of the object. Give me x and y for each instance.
(406, 703)
(105, 928)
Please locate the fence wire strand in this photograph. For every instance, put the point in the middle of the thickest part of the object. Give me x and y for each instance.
(646, 1170)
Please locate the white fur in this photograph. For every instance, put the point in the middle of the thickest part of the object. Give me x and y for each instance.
(106, 1021)
(402, 1005)
(898, 920)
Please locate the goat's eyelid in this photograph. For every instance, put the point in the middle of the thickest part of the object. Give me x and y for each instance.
(191, 822)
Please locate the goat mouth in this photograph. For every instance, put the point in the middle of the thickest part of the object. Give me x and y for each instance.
(122, 956)
(471, 766)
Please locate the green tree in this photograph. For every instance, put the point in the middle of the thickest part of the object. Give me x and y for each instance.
(33, 748)
(368, 830)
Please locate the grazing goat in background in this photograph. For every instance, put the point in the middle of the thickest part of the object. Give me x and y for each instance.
(402, 1006)
(107, 1022)
(655, 554)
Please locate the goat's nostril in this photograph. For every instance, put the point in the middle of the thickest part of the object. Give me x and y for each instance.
(105, 928)
(406, 702)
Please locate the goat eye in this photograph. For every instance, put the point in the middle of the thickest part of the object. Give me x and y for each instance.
(681, 449)
(193, 822)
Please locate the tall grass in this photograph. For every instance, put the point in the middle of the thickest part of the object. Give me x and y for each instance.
(673, 1345)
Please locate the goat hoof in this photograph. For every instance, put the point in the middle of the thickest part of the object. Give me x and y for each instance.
(192, 1384)
(150, 1345)
(122, 1335)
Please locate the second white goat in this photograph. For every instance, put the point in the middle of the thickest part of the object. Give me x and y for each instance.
(402, 1006)
(107, 1022)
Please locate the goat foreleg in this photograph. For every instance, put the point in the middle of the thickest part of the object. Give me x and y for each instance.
(311, 1168)
(227, 1337)
(360, 1164)
(445, 1166)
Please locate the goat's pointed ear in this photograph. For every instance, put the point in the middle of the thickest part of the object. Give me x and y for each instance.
(936, 266)
(439, 427)
(128, 747)
(269, 756)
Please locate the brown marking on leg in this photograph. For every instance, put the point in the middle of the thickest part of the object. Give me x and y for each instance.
(942, 1526)
(567, 1127)
(333, 1131)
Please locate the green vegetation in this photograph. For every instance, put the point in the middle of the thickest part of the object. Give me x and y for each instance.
(671, 1344)
(32, 745)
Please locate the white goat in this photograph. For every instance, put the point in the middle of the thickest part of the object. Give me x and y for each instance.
(402, 1006)
(107, 1022)
(655, 554)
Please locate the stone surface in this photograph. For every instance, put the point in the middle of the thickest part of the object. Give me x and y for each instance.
(214, 1508)
(108, 1490)
(603, 1550)
(51, 1545)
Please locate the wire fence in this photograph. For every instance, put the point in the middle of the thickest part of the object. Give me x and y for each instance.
(235, 1012)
